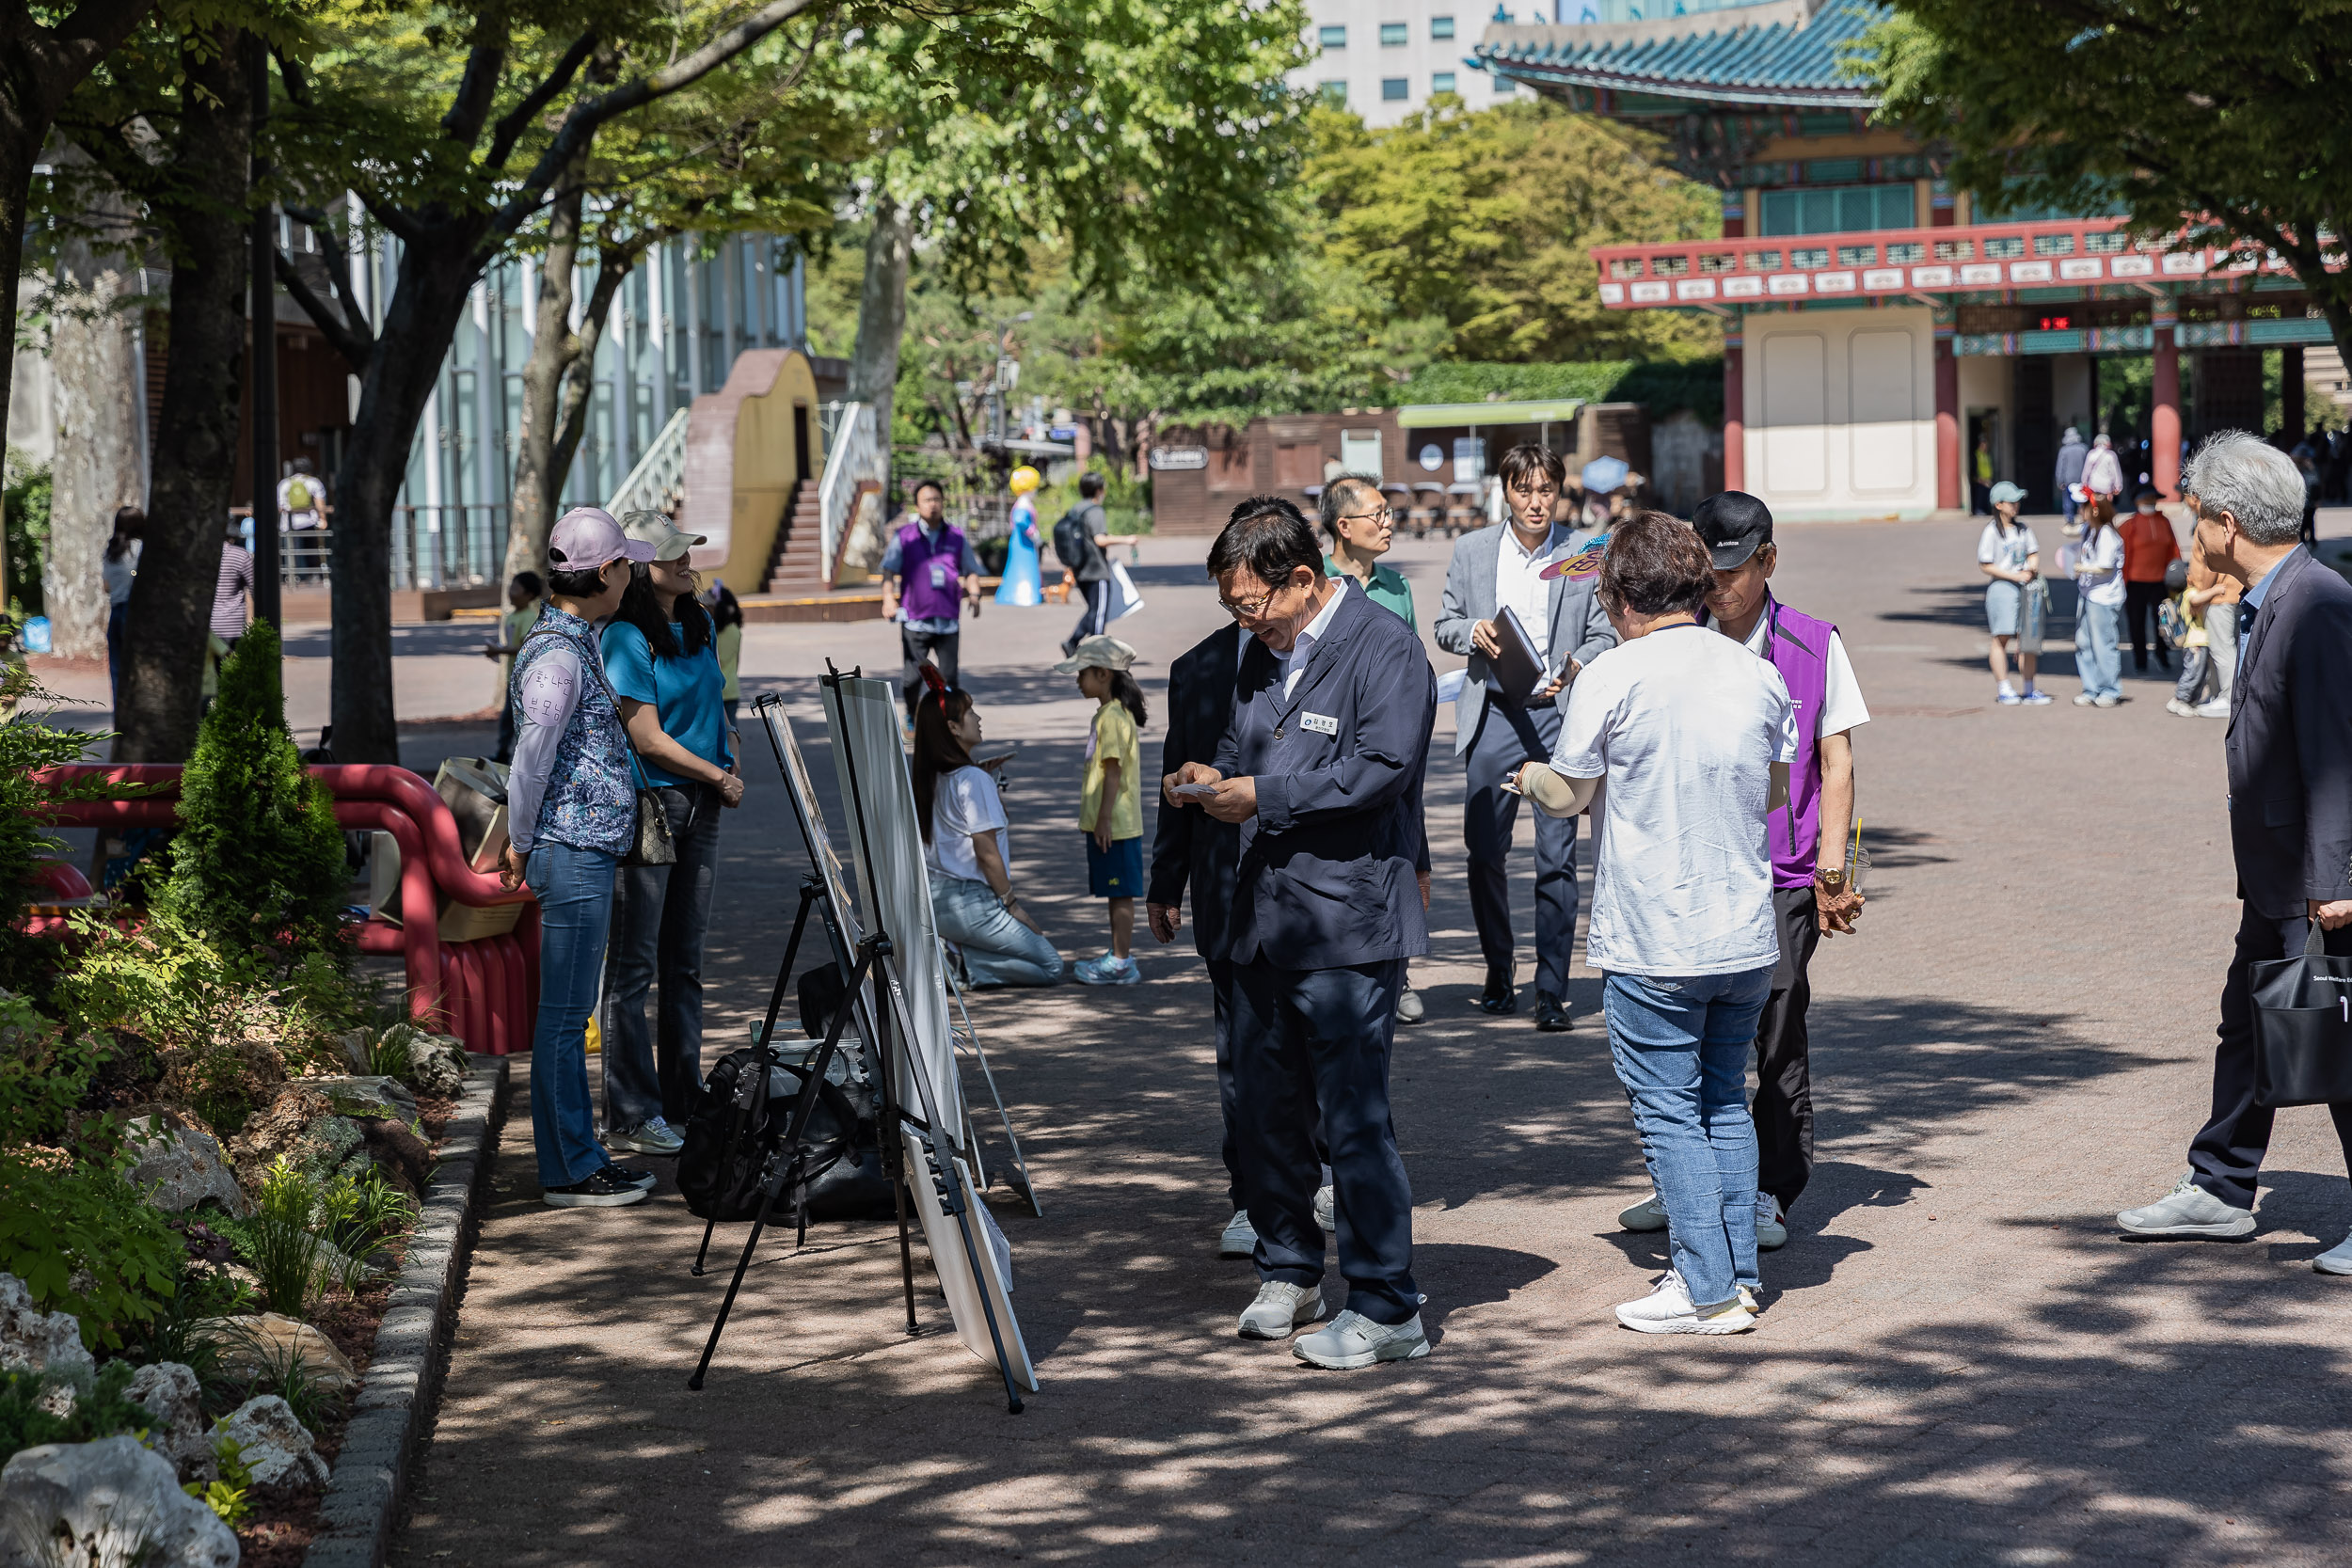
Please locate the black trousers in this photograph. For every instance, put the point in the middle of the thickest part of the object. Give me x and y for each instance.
(2139, 610)
(1783, 1107)
(1304, 1038)
(1228, 1097)
(1095, 619)
(1507, 737)
(940, 645)
(2225, 1156)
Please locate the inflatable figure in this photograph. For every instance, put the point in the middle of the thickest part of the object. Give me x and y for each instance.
(1020, 583)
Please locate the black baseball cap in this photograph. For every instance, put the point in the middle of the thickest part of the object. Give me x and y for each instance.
(1733, 523)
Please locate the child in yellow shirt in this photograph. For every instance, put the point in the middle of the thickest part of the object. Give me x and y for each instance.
(1111, 797)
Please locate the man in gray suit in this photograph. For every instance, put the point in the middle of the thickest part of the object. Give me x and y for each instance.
(2289, 749)
(1494, 568)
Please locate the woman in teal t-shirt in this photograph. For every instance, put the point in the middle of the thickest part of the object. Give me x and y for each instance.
(661, 652)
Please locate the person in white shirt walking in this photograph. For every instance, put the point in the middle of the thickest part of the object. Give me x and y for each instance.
(2097, 566)
(1694, 736)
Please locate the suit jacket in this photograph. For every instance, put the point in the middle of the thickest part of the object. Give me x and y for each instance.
(1325, 875)
(1189, 847)
(2290, 743)
(1579, 625)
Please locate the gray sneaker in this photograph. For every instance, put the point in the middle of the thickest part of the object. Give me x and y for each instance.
(1280, 1306)
(652, 1138)
(2188, 1211)
(1352, 1340)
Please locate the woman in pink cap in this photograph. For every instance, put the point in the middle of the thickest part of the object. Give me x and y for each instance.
(571, 804)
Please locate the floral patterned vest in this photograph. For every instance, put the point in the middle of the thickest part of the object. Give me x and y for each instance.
(591, 801)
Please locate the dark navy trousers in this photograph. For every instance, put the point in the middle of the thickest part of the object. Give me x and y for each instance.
(1508, 737)
(1304, 1038)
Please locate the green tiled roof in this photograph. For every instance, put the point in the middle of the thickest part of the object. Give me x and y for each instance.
(1794, 64)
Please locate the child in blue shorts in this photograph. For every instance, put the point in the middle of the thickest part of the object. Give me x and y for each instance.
(1111, 797)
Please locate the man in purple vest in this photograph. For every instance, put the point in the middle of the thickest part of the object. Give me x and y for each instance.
(1810, 898)
(930, 572)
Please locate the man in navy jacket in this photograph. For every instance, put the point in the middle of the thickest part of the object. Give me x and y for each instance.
(1331, 714)
(2290, 758)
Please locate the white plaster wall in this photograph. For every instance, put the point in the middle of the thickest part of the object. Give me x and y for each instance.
(1840, 409)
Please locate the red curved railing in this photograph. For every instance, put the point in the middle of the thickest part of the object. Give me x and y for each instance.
(485, 990)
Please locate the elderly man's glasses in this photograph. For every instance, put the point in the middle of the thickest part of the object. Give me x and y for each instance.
(1247, 610)
(1386, 514)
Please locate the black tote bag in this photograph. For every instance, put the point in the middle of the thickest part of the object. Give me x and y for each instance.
(2303, 1027)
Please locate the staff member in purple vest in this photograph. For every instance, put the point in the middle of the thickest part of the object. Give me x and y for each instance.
(1810, 898)
(930, 572)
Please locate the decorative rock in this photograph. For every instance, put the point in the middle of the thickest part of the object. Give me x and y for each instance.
(168, 1392)
(366, 1097)
(106, 1502)
(276, 1447)
(181, 1168)
(32, 1340)
(438, 1064)
(302, 1124)
(261, 1346)
(406, 1159)
(352, 1044)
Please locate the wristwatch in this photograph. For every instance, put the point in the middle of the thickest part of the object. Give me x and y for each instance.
(1833, 883)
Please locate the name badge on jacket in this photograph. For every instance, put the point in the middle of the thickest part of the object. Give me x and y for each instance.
(1321, 723)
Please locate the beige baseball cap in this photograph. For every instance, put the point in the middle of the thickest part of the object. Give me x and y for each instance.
(1099, 652)
(668, 540)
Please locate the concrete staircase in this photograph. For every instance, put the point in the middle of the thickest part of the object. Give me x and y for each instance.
(794, 568)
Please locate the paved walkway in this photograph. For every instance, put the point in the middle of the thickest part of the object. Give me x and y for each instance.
(1960, 1363)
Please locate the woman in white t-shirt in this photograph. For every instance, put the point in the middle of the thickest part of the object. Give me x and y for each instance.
(2016, 599)
(968, 846)
(1680, 743)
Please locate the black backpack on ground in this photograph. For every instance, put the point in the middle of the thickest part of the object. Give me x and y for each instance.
(843, 1173)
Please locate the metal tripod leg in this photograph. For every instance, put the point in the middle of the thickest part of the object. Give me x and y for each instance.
(750, 1094)
(1019, 1182)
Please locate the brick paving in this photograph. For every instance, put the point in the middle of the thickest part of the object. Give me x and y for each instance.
(1961, 1362)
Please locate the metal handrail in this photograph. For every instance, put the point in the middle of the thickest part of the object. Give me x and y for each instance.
(654, 484)
(852, 456)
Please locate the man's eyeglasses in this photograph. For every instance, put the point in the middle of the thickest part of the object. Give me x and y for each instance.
(1247, 610)
(1386, 514)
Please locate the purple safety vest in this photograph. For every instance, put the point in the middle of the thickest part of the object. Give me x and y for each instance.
(1798, 646)
(930, 572)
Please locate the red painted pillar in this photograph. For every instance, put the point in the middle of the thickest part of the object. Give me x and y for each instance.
(1735, 414)
(1735, 214)
(1947, 490)
(2164, 423)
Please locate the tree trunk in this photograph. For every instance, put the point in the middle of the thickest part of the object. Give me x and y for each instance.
(196, 430)
(553, 349)
(95, 400)
(579, 380)
(882, 312)
(428, 300)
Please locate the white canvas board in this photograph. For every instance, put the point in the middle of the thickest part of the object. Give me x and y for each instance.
(894, 883)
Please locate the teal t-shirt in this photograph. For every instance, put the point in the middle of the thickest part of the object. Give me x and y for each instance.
(688, 692)
(1387, 589)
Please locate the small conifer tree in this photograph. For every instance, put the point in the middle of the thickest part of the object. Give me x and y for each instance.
(258, 859)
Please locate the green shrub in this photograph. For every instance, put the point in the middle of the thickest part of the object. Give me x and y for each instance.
(279, 1239)
(29, 743)
(1662, 386)
(104, 1410)
(85, 1240)
(24, 492)
(226, 1497)
(45, 1072)
(258, 860)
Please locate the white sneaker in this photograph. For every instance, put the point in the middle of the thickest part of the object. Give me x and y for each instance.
(2217, 708)
(2083, 699)
(1667, 1309)
(1326, 1208)
(1280, 1306)
(1770, 1234)
(2179, 708)
(1353, 1341)
(1748, 1301)
(2336, 1259)
(2188, 1211)
(1240, 1239)
(1649, 1215)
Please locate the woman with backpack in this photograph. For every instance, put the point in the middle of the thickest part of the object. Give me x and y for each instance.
(661, 650)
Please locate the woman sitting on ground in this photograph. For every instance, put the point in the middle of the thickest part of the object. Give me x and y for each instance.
(968, 846)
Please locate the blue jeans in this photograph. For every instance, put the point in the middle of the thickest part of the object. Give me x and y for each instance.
(997, 949)
(2098, 635)
(659, 916)
(1681, 1044)
(575, 889)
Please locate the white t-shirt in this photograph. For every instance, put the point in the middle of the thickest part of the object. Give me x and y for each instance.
(2008, 551)
(1683, 726)
(1842, 707)
(2097, 566)
(308, 516)
(1519, 585)
(966, 803)
(118, 575)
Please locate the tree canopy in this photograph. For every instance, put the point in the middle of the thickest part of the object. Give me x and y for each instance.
(2227, 118)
